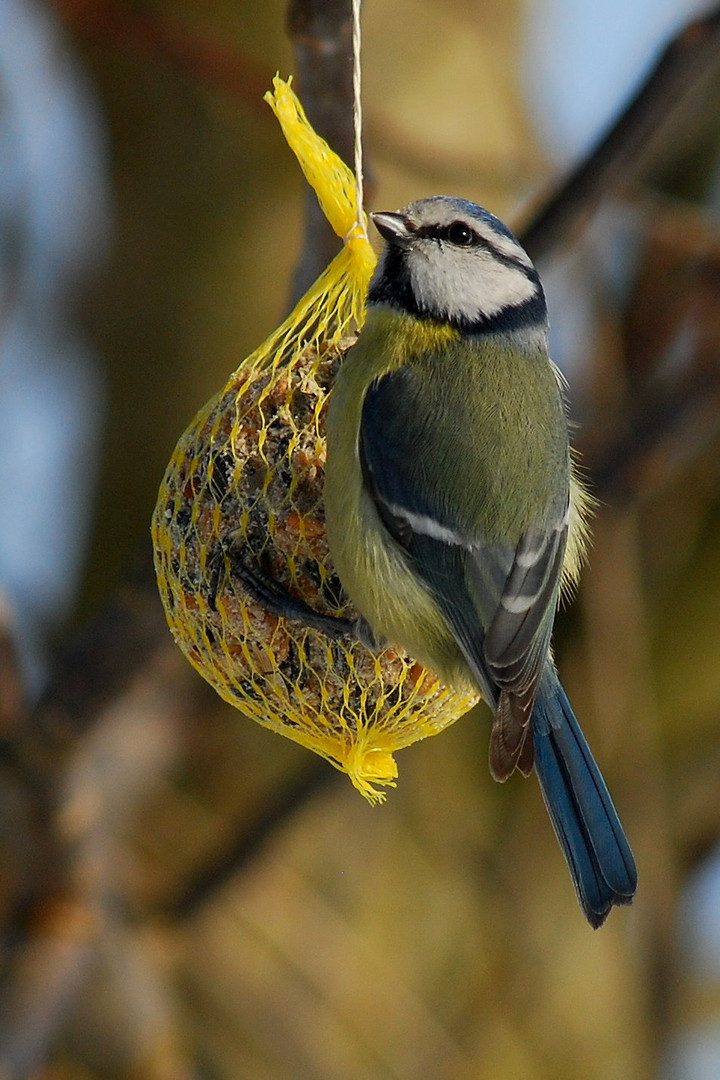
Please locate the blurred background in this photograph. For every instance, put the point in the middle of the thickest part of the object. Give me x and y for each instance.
(183, 894)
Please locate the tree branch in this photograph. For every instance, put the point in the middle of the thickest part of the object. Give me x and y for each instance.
(656, 111)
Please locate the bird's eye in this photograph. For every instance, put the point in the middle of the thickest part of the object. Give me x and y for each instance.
(461, 234)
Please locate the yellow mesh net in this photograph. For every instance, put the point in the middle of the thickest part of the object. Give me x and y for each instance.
(244, 487)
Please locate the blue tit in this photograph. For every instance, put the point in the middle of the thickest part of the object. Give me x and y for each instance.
(454, 516)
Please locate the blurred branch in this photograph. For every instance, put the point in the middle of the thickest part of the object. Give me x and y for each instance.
(12, 697)
(667, 427)
(275, 811)
(321, 35)
(79, 762)
(654, 114)
(45, 975)
(97, 663)
(670, 415)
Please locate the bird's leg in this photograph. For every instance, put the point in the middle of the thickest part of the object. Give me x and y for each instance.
(276, 600)
(365, 634)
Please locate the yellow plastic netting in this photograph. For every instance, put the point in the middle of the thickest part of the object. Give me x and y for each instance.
(244, 487)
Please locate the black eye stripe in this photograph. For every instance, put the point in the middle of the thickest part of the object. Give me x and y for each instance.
(458, 233)
(441, 234)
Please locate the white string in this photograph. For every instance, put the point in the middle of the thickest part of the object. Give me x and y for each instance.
(357, 113)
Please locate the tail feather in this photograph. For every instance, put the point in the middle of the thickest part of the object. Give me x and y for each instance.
(582, 813)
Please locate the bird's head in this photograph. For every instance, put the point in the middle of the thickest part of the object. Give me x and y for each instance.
(449, 260)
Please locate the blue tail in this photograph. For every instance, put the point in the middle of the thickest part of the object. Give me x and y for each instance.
(581, 810)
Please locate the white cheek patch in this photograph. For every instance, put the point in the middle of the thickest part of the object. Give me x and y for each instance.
(468, 284)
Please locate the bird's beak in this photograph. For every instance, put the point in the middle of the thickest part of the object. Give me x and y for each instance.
(395, 228)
